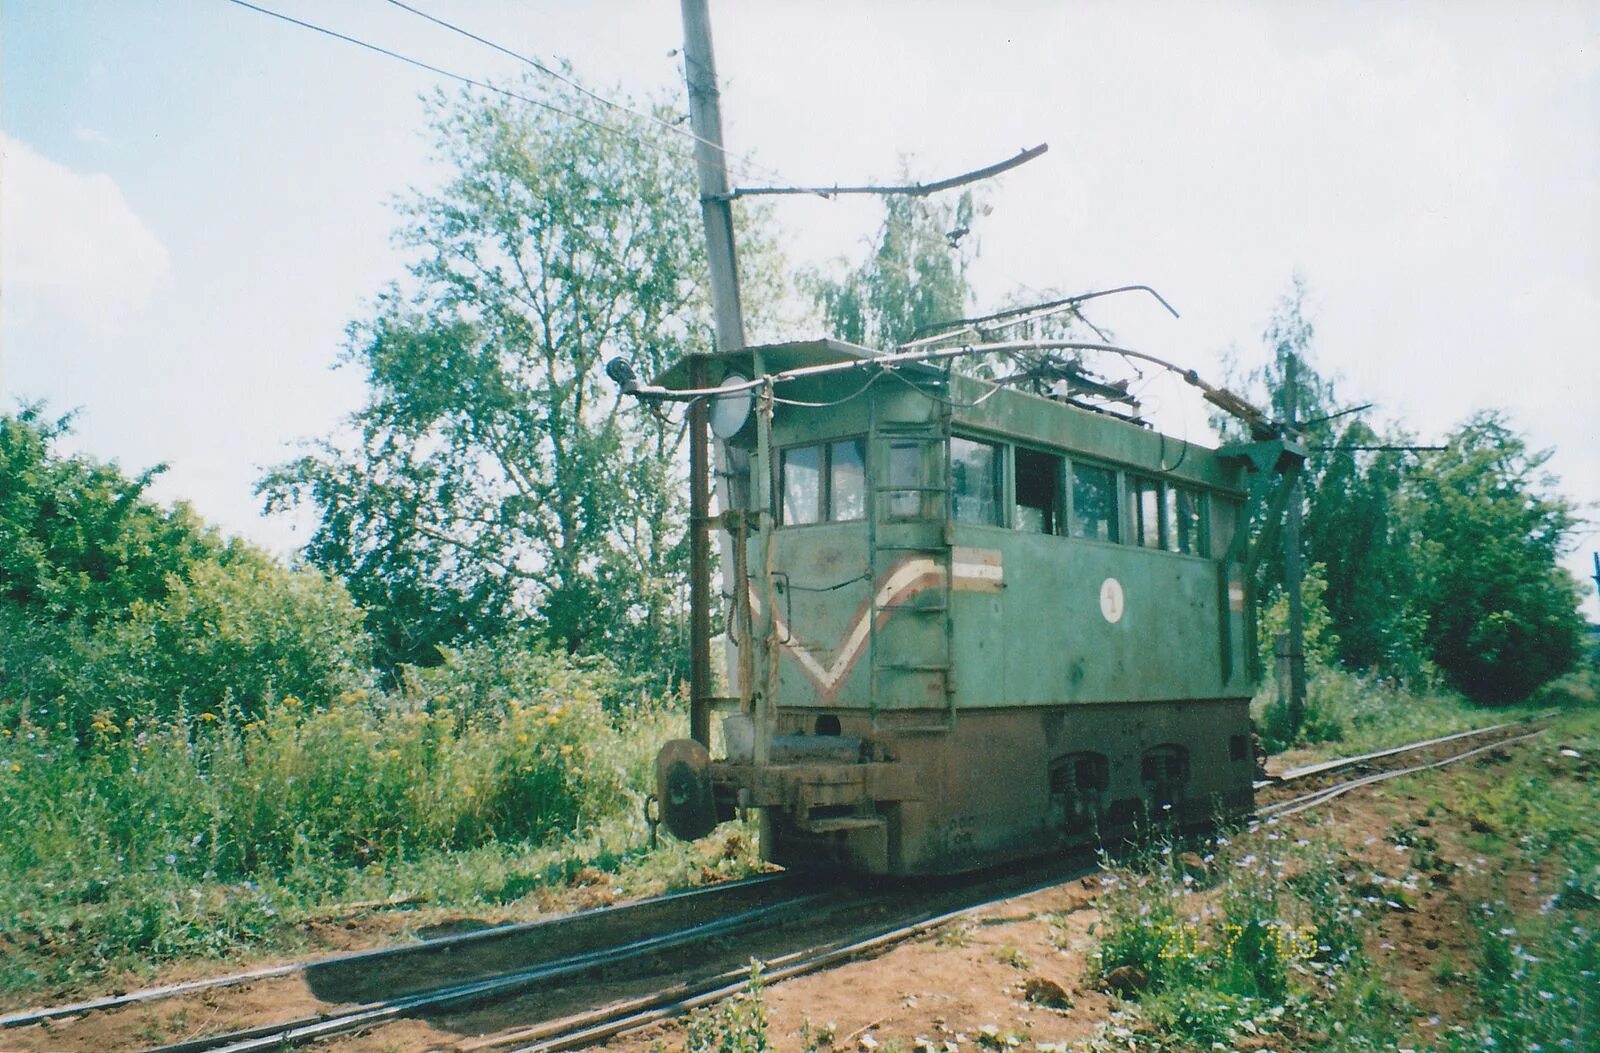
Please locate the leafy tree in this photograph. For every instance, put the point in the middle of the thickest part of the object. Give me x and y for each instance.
(1349, 498)
(914, 275)
(1446, 562)
(496, 478)
(112, 605)
(79, 541)
(1351, 529)
(1485, 532)
(235, 634)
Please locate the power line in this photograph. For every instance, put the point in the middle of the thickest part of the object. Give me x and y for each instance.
(470, 82)
(728, 157)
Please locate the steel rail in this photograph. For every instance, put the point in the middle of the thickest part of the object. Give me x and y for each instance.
(610, 1021)
(26, 1017)
(1295, 805)
(277, 1036)
(1308, 770)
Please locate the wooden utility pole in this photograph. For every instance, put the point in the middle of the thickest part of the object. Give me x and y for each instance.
(1292, 573)
(716, 211)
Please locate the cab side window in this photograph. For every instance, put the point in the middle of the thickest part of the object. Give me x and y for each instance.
(1148, 511)
(908, 493)
(1038, 508)
(1094, 503)
(801, 468)
(847, 480)
(1189, 507)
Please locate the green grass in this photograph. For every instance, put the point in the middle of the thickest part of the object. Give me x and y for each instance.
(205, 837)
(1254, 940)
(1348, 714)
(1536, 978)
(1243, 937)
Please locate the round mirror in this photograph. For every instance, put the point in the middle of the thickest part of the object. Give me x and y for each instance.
(729, 412)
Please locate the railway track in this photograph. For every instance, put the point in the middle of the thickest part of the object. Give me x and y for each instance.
(589, 976)
(1308, 786)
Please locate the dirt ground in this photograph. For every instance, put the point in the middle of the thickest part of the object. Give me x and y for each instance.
(969, 987)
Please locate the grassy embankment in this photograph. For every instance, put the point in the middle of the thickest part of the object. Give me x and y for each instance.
(1272, 940)
(205, 836)
(1347, 713)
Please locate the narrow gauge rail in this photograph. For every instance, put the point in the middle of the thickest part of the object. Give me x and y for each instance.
(462, 955)
(852, 922)
(1330, 777)
(617, 1018)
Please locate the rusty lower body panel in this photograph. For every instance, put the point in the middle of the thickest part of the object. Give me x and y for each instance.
(1000, 783)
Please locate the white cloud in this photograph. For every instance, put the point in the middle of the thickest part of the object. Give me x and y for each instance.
(91, 135)
(71, 241)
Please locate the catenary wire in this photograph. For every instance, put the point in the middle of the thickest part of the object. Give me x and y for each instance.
(729, 157)
(470, 82)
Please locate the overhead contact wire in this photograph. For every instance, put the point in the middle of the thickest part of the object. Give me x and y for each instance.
(471, 82)
(742, 162)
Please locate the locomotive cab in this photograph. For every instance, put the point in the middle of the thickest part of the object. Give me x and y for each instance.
(965, 622)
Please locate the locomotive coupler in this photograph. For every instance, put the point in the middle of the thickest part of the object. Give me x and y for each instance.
(818, 795)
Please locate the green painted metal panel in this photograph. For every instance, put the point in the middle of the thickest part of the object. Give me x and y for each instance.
(1029, 623)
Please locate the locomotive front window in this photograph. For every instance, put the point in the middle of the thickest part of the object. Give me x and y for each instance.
(1094, 503)
(824, 483)
(1038, 491)
(975, 481)
(847, 481)
(802, 485)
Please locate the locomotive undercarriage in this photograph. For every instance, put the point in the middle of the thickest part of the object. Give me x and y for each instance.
(1000, 783)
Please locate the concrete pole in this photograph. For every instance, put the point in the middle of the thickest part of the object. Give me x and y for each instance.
(705, 118)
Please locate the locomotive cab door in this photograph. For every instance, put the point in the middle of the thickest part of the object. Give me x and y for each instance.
(909, 626)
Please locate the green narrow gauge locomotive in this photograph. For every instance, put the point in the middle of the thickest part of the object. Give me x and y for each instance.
(967, 621)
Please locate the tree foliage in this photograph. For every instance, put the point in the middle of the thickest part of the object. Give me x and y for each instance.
(113, 606)
(495, 477)
(78, 538)
(915, 274)
(1485, 533)
(1443, 562)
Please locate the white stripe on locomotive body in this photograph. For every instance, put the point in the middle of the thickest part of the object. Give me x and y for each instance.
(974, 570)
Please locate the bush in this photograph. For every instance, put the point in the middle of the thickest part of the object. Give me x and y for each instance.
(79, 541)
(735, 1025)
(238, 632)
(154, 837)
(232, 636)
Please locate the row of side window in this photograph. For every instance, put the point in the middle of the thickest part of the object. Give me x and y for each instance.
(1160, 514)
(827, 483)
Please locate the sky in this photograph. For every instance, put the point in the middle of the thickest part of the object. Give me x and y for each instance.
(196, 199)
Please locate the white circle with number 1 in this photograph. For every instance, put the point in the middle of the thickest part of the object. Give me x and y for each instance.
(1111, 600)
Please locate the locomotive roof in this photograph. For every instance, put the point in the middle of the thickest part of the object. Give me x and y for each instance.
(776, 358)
